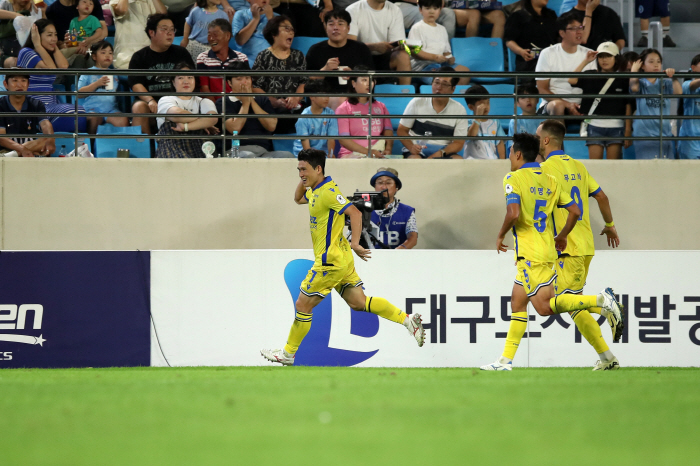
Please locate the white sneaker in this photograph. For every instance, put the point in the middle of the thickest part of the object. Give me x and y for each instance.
(278, 355)
(415, 328)
(497, 366)
(611, 365)
(613, 311)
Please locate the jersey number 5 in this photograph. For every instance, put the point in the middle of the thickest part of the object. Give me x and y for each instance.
(540, 218)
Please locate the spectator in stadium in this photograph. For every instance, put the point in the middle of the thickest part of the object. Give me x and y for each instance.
(337, 52)
(411, 126)
(528, 105)
(608, 60)
(248, 25)
(178, 10)
(480, 126)
(691, 107)
(280, 56)
(562, 57)
(179, 119)
(241, 106)
(361, 127)
(600, 23)
(323, 125)
(396, 225)
(379, 24)
(161, 54)
(306, 15)
(61, 13)
(411, 15)
(9, 45)
(645, 10)
(219, 57)
(471, 18)
(528, 31)
(628, 59)
(85, 30)
(103, 55)
(41, 51)
(436, 49)
(650, 61)
(16, 104)
(130, 18)
(195, 37)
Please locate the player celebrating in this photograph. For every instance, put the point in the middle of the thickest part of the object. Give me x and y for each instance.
(572, 266)
(334, 267)
(531, 196)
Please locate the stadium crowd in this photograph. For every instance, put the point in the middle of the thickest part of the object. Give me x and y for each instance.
(235, 36)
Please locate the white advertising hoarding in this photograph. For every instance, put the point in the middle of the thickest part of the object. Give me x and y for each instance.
(221, 307)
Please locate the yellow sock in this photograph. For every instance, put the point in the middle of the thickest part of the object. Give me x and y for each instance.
(572, 302)
(518, 325)
(300, 327)
(385, 309)
(590, 330)
(594, 310)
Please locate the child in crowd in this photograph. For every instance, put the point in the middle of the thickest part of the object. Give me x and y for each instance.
(480, 126)
(197, 26)
(361, 127)
(436, 51)
(85, 25)
(628, 59)
(322, 126)
(650, 61)
(528, 105)
(103, 54)
(691, 128)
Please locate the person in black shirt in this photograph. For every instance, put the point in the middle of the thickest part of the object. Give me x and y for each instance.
(608, 61)
(26, 125)
(337, 51)
(160, 55)
(601, 24)
(530, 30)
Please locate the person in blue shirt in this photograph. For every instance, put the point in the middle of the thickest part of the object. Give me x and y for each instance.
(324, 125)
(394, 227)
(650, 61)
(691, 128)
(248, 25)
(197, 26)
(528, 106)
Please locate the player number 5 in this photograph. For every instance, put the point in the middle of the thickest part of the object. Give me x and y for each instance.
(540, 218)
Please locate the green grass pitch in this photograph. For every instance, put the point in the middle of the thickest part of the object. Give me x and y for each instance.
(349, 416)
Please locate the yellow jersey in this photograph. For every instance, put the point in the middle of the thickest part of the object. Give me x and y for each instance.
(326, 221)
(575, 180)
(538, 195)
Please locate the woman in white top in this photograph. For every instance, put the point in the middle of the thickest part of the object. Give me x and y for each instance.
(180, 118)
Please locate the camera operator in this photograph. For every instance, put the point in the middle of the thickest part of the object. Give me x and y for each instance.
(395, 226)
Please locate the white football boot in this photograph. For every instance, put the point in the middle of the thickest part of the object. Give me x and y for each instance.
(613, 311)
(279, 356)
(415, 328)
(500, 365)
(611, 365)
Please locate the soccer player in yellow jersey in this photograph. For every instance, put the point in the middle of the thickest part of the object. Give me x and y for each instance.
(573, 263)
(334, 267)
(531, 196)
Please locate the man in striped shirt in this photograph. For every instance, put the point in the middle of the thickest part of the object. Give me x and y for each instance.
(218, 58)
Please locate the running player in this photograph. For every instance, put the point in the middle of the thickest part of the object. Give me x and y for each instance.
(334, 267)
(531, 196)
(573, 263)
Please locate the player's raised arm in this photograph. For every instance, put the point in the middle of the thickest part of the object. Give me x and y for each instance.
(512, 214)
(610, 231)
(356, 228)
(299, 197)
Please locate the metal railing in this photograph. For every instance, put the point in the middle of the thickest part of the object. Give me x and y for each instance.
(517, 77)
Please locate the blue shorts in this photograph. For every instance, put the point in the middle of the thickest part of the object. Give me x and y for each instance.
(650, 149)
(597, 131)
(647, 8)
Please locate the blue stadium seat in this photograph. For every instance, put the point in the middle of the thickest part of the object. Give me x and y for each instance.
(303, 43)
(62, 99)
(480, 54)
(629, 153)
(511, 60)
(576, 148)
(139, 147)
(68, 141)
(556, 5)
(110, 40)
(284, 144)
(177, 40)
(502, 105)
(395, 105)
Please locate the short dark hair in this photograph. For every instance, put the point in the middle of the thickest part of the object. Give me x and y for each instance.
(564, 20)
(97, 46)
(627, 58)
(646, 52)
(314, 157)
(316, 86)
(222, 23)
(272, 28)
(528, 88)
(454, 80)
(183, 65)
(153, 20)
(430, 3)
(528, 144)
(555, 128)
(696, 60)
(337, 13)
(234, 69)
(8, 76)
(352, 98)
(475, 89)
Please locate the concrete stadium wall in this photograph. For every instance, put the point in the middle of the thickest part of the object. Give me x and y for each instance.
(128, 204)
